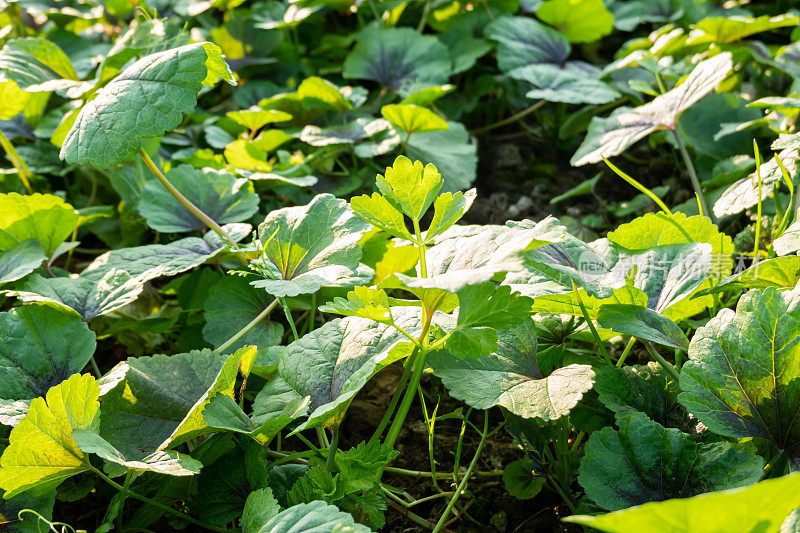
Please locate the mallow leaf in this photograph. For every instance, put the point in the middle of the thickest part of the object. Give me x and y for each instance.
(314, 517)
(580, 21)
(413, 118)
(398, 58)
(38, 65)
(152, 403)
(742, 378)
(39, 348)
(222, 412)
(259, 508)
(730, 29)
(642, 323)
(450, 151)
(611, 136)
(308, 247)
(161, 462)
(557, 83)
(778, 272)
(364, 302)
(220, 195)
(20, 260)
(643, 462)
(42, 452)
(332, 363)
(510, 377)
(761, 507)
(147, 99)
(524, 41)
(411, 187)
(44, 217)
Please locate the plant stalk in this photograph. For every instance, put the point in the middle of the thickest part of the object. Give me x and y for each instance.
(626, 352)
(408, 397)
(22, 169)
(242, 332)
(513, 118)
(398, 393)
(698, 190)
(661, 361)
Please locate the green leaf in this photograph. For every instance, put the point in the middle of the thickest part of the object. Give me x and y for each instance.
(43, 217)
(580, 21)
(361, 468)
(224, 486)
(255, 118)
(169, 462)
(642, 388)
(410, 186)
(610, 136)
(232, 303)
(725, 30)
(778, 272)
(644, 462)
(364, 302)
(39, 348)
(482, 310)
(41, 450)
(308, 247)
(555, 83)
(760, 507)
(314, 517)
(524, 41)
(259, 508)
(156, 402)
(789, 241)
(450, 151)
(20, 260)
(412, 118)
(510, 377)
(349, 133)
(447, 210)
(147, 99)
(328, 366)
(38, 65)
(316, 88)
(379, 212)
(12, 100)
(220, 195)
(742, 377)
(270, 416)
(398, 58)
(520, 481)
(642, 323)
(246, 155)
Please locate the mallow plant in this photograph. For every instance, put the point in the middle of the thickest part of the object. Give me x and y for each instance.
(639, 388)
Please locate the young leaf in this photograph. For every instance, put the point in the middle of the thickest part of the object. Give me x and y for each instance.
(309, 247)
(364, 302)
(412, 118)
(379, 212)
(255, 118)
(447, 210)
(644, 462)
(361, 468)
(147, 99)
(520, 481)
(731, 29)
(43, 217)
(316, 88)
(611, 136)
(12, 100)
(580, 21)
(760, 507)
(39, 348)
(742, 377)
(642, 323)
(220, 195)
(41, 451)
(510, 377)
(409, 186)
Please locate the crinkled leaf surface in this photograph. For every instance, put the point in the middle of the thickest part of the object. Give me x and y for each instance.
(743, 374)
(145, 100)
(523, 41)
(642, 323)
(760, 507)
(232, 303)
(220, 195)
(778, 272)
(556, 83)
(44, 217)
(20, 260)
(39, 348)
(644, 462)
(398, 58)
(789, 241)
(411, 187)
(611, 136)
(332, 363)
(580, 21)
(309, 247)
(314, 517)
(156, 402)
(41, 450)
(259, 508)
(510, 377)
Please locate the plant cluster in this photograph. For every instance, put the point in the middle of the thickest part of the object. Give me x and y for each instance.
(221, 229)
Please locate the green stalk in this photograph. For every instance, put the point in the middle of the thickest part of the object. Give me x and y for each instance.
(513, 118)
(467, 475)
(332, 449)
(626, 352)
(423, 266)
(698, 190)
(601, 347)
(242, 332)
(23, 171)
(156, 504)
(398, 393)
(289, 319)
(408, 397)
(638, 186)
(125, 492)
(661, 361)
(430, 422)
(193, 209)
(758, 209)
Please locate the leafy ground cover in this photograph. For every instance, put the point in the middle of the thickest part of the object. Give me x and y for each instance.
(332, 265)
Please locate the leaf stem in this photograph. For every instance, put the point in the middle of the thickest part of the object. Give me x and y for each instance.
(123, 497)
(626, 352)
(154, 503)
(408, 397)
(22, 169)
(601, 347)
(467, 475)
(757, 237)
(289, 319)
(698, 190)
(661, 361)
(513, 118)
(398, 393)
(332, 450)
(423, 267)
(193, 209)
(242, 332)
